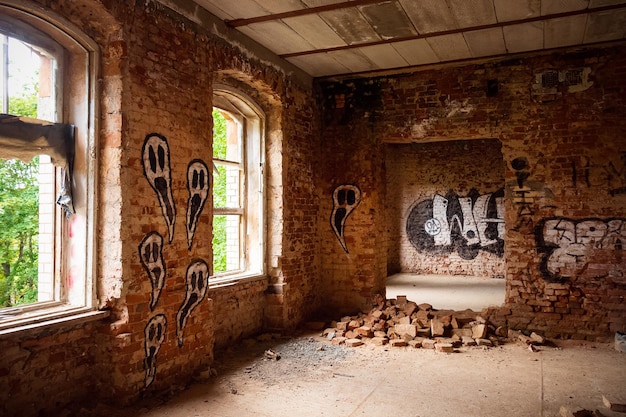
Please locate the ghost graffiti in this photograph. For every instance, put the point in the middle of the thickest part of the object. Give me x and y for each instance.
(584, 249)
(198, 186)
(465, 224)
(345, 199)
(156, 167)
(151, 256)
(196, 288)
(154, 333)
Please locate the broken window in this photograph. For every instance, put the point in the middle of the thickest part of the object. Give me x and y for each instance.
(45, 252)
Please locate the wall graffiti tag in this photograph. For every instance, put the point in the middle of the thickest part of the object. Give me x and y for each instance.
(582, 249)
(151, 256)
(611, 175)
(196, 289)
(465, 224)
(156, 167)
(345, 199)
(198, 186)
(154, 333)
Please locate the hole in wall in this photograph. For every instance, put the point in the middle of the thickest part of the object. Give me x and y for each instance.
(445, 223)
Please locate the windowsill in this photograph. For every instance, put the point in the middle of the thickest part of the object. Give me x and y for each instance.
(31, 322)
(231, 280)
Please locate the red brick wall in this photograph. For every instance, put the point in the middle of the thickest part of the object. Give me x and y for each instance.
(564, 156)
(157, 71)
(420, 174)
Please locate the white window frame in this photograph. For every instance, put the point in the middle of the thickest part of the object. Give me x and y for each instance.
(76, 87)
(251, 120)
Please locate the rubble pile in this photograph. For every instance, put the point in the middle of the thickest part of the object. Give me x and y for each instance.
(400, 322)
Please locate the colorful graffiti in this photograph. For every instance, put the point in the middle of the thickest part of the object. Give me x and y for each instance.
(345, 199)
(156, 168)
(154, 333)
(582, 249)
(151, 256)
(198, 186)
(196, 288)
(465, 224)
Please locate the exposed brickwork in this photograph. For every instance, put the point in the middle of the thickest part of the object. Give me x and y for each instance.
(564, 160)
(416, 174)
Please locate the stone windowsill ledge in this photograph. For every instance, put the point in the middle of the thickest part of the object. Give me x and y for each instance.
(34, 323)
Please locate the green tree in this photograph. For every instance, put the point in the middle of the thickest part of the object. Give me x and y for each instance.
(19, 216)
(219, 192)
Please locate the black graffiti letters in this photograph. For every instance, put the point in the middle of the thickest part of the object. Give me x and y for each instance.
(156, 166)
(465, 224)
(197, 285)
(198, 186)
(345, 199)
(154, 333)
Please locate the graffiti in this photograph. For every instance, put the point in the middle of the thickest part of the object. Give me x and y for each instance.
(345, 199)
(197, 284)
(151, 256)
(198, 186)
(465, 224)
(582, 249)
(612, 175)
(154, 333)
(156, 167)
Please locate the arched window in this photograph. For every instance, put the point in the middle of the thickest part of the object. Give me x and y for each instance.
(47, 167)
(238, 186)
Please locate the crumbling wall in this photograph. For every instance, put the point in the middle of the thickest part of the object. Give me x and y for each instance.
(560, 121)
(157, 70)
(445, 208)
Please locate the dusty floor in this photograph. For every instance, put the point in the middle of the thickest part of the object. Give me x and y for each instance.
(315, 378)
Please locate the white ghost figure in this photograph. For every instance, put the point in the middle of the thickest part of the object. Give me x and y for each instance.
(151, 256)
(154, 336)
(345, 199)
(156, 168)
(197, 284)
(198, 186)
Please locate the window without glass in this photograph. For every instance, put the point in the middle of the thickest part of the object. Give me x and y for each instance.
(237, 188)
(46, 173)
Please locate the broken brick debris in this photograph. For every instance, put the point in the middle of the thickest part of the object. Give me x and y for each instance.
(401, 322)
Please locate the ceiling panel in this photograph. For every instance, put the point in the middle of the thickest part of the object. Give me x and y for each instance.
(508, 10)
(388, 19)
(312, 28)
(416, 52)
(277, 36)
(560, 6)
(485, 42)
(473, 12)
(384, 56)
(429, 15)
(278, 6)
(599, 3)
(564, 32)
(319, 65)
(449, 47)
(354, 60)
(350, 25)
(523, 37)
(227, 10)
(606, 26)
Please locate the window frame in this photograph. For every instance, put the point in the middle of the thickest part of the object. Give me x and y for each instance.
(251, 120)
(76, 89)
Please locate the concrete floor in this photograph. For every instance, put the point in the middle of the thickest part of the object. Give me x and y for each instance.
(314, 378)
(448, 292)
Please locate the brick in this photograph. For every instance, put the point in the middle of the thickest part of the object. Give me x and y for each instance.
(353, 342)
(444, 347)
(379, 341)
(428, 344)
(398, 342)
(436, 327)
